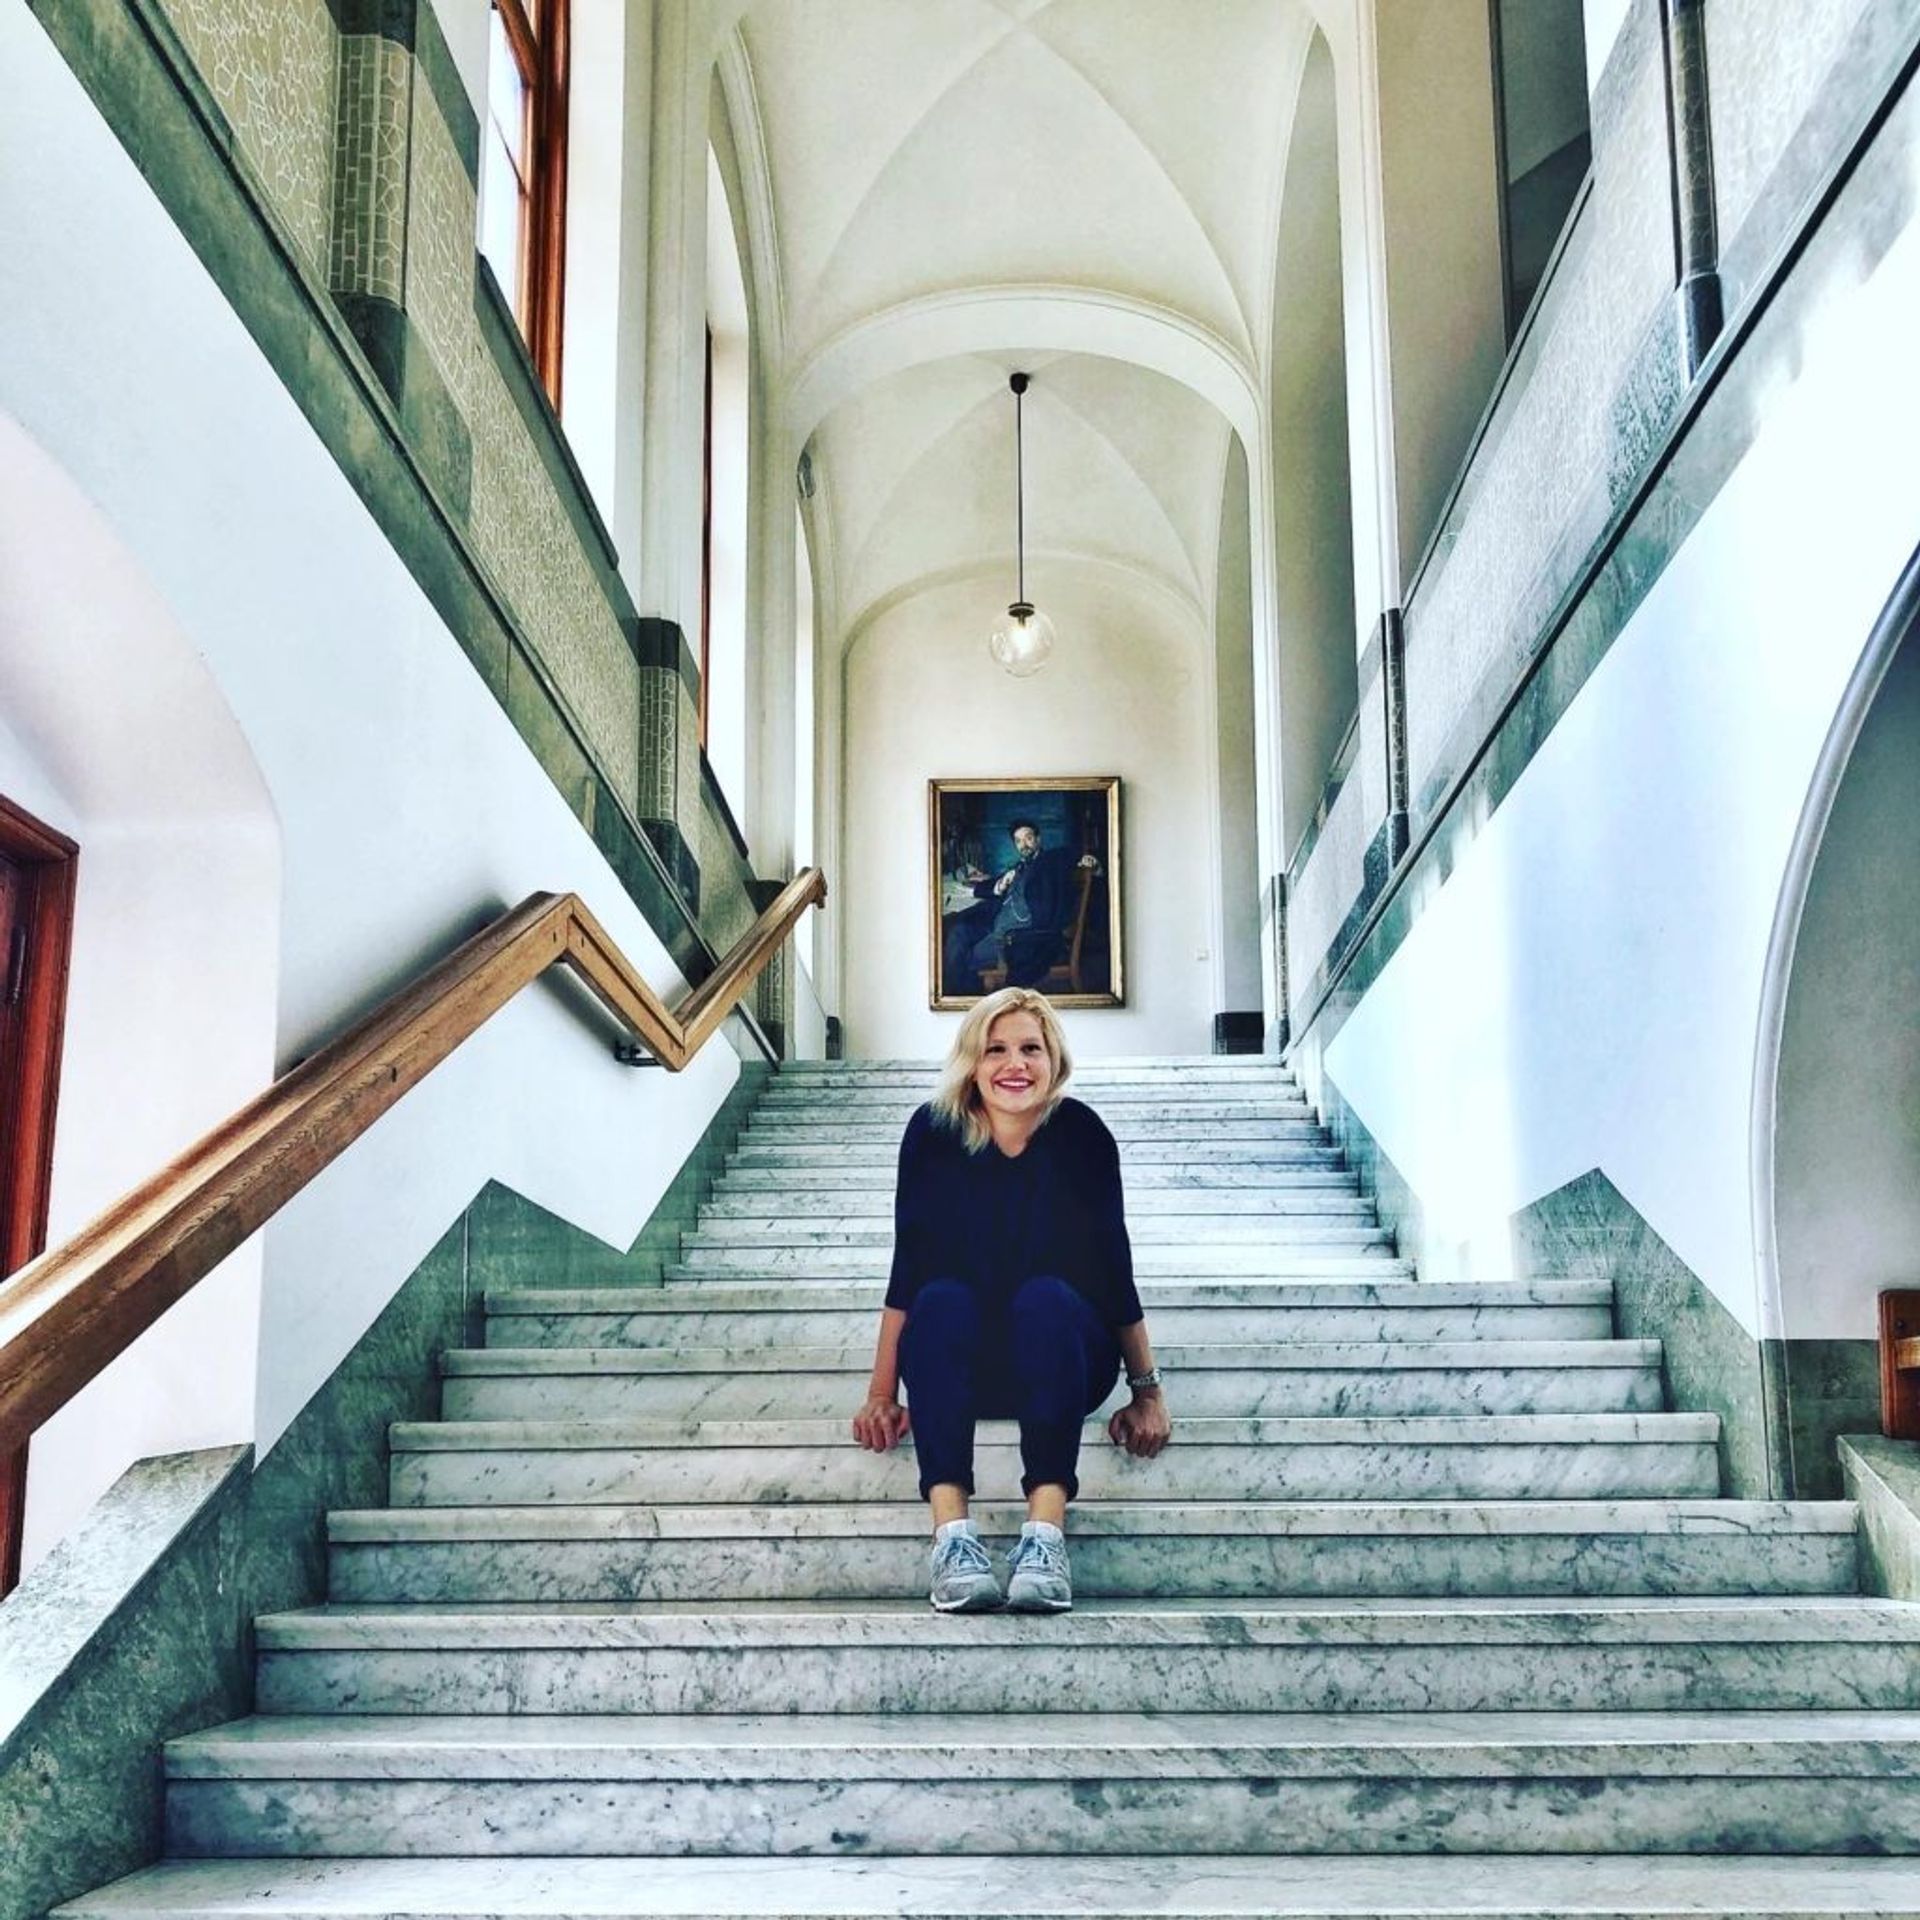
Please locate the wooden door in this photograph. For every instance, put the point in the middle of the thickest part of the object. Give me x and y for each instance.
(36, 931)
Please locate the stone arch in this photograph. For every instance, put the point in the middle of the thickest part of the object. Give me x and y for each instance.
(1836, 1140)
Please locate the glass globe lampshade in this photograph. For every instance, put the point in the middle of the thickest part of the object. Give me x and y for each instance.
(1022, 641)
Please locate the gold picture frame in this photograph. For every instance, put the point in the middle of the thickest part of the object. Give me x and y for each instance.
(993, 843)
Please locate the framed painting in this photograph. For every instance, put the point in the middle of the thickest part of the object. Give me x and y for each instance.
(1025, 889)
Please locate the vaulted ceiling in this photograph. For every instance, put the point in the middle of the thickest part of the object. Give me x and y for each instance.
(915, 153)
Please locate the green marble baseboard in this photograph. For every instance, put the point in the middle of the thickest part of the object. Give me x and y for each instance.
(1883, 1476)
(1589, 1230)
(131, 1631)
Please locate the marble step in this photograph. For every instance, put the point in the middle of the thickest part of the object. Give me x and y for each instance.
(1019, 1887)
(854, 1234)
(1322, 1657)
(1134, 1105)
(1169, 1188)
(1202, 1157)
(1454, 1378)
(1301, 1260)
(1054, 1785)
(1186, 1130)
(1113, 1070)
(721, 1313)
(1491, 1457)
(1130, 1549)
(869, 1202)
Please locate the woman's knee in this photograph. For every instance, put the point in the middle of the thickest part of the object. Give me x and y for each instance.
(1047, 1306)
(944, 1314)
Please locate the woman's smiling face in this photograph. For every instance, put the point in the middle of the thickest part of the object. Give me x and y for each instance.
(1014, 1073)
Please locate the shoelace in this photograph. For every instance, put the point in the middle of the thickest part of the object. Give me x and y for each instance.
(961, 1552)
(1033, 1546)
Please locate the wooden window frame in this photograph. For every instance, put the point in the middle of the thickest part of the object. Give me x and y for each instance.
(26, 1159)
(538, 35)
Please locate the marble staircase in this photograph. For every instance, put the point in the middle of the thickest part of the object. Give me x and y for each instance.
(1433, 1607)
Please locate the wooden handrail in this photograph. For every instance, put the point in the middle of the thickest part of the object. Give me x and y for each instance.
(66, 1315)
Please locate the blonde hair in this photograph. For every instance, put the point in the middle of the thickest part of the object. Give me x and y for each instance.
(956, 1101)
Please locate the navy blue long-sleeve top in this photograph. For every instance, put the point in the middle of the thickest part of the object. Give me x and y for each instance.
(992, 1221)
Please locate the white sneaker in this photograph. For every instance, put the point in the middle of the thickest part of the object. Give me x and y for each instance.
(963, 1579)
(1039, 1580)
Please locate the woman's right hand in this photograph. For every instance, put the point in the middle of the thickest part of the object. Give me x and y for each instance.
(881, 1424)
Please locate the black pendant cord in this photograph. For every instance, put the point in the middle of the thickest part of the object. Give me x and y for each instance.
(1019, 385)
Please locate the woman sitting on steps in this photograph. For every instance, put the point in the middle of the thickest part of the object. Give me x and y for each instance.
(1011, 1294)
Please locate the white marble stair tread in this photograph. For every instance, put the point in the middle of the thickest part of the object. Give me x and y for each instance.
(869, 1520)
(1487, 1456)
(1149, 1189)
(1208, 1132)
(1172, 1106)
(1304, 1656)
(1864, 1744)
(822, 1551)
(1244, 1290)
(1020, 1887)
(1223, 1262)
(1525, 1430)
(1136, 1625)
(1219, 1231)
(1245, 1379)
(848, 1200)
(1288, 1357)
(1195, 1155)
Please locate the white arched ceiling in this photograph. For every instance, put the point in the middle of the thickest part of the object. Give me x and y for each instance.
(1122, 469)
(915, 150)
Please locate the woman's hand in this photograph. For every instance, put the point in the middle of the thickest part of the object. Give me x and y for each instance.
(1143, 1426)
(881, 1424)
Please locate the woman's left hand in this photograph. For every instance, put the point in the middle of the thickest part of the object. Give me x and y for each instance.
(1142, 1426)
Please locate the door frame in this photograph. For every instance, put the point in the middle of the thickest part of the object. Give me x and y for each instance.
(51, 862)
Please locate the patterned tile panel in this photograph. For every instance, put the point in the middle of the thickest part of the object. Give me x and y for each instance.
(689, 805)
(273, 67)
(440, 256)
(726, 907)
(370, 172)
(1765, 62)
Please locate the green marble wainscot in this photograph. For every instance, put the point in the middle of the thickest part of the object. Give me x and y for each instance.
(1588, 1230)
(516, 1243)
(138, 1627)
(1393, 1196)
(131, 1631)
(1832, 1389)
(1882, 1477)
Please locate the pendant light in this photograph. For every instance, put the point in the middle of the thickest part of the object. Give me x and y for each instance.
(1024, 639)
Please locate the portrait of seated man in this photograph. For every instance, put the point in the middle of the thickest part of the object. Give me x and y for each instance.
(1013, 920)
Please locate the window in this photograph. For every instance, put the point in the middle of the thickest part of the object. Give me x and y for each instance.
(1543, 136)
(523, 171)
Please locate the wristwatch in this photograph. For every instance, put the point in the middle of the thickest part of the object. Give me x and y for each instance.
(1139, 1382)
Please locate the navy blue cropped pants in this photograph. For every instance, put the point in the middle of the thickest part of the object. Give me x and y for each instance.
(1041, 1356)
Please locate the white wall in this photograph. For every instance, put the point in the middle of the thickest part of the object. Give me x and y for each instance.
(1239, 886)
(1312, 494)
(1446, 303)
(1586, 989)
(1603, 20)
(1847, 1193)
(115, 734)
(727, 606)
(408, 809)
(1122, 694)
